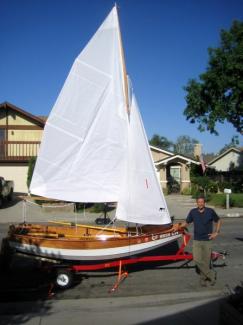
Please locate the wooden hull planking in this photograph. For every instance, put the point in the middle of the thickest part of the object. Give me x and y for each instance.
(88, 243)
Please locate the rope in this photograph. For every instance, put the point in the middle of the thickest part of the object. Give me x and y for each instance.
(31, 203)
(104, 228)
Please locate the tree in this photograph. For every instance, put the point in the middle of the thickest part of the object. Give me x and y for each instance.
(233, 144)
(218, 95)
(30, 170)
(160, 142)
(185, 145)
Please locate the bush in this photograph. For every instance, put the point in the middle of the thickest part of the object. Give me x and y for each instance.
(213, 187)
(186, 191)
(101, 207)
(165, 190)
(236, 200)
(223, 185)
(203, 185)
(97, 208)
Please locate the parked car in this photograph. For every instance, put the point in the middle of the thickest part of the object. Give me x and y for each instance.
(6, 190)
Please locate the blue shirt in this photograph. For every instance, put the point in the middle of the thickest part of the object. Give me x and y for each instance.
(203, 222)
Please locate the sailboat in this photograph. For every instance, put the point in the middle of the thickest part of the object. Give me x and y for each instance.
(95, 149)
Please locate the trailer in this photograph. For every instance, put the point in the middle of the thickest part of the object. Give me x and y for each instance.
(64, 274)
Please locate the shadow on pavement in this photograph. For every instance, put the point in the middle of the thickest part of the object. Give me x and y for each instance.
(238, 238)
(220, 311)
(8, 204)
(206, 313)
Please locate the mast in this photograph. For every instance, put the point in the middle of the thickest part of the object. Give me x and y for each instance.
(125, 81)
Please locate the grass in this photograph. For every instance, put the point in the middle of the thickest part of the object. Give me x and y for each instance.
(219, 200)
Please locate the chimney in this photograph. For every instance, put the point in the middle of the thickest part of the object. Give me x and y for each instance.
(197, 150)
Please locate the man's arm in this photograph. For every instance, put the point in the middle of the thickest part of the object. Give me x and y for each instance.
(217, 230)
(181, 225)
(184, 224)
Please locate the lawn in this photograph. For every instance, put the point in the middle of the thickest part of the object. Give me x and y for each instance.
(219, 200)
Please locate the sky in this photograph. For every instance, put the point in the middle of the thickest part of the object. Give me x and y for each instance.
(165, 43)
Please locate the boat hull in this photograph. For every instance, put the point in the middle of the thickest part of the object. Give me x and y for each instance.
(101, 247)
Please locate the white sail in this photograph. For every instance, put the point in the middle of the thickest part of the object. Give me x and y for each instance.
(141, 200)
(81, 158)
(94, 147)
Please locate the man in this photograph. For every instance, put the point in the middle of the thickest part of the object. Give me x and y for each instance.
(203, 219)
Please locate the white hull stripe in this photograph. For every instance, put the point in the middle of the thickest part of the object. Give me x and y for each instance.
(92, 254)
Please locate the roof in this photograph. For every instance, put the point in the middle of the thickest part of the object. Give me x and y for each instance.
(181, 157)
(43, 117)
(237, 150)
(39, 121)
(161, 150)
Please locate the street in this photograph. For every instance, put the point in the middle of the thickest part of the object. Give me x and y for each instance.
(170, 283)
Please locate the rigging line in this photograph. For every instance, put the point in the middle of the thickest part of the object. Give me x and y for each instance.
(104, 228)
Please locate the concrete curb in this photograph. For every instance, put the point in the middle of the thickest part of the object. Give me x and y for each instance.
(11, 308)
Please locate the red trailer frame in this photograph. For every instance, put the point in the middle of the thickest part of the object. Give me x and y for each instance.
(180, 255)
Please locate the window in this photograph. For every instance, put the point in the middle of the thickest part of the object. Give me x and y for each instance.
(2, 134)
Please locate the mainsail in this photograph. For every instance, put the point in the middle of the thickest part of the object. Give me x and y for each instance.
(94, 149)
(81, 158)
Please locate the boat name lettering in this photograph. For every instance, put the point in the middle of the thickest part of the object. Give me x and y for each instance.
(155, 237)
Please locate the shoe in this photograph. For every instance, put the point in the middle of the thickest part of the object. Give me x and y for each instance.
(203, 283)
(213, 280)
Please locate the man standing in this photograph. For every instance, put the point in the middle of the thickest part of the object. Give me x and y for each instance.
(203, 219)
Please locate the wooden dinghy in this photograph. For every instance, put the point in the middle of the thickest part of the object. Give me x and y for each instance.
(95, 149)
(88, 243)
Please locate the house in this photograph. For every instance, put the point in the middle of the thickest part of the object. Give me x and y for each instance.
(173, 170)
(231, 159)
(20, 138)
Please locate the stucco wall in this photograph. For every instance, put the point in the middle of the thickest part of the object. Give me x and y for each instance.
(163, 180)
(158, 155)
(225, 163)
(14, 118)
(18, 174)
(25, 135)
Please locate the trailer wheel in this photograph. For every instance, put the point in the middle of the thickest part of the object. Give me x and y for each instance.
(64, 279)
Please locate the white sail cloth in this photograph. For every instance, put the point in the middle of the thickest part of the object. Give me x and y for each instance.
(141, 199)
(93, 150)
(81, 158)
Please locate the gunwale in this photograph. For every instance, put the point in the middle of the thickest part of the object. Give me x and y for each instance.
(101, 241)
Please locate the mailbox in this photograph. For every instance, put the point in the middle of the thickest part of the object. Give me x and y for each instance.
(227, 191)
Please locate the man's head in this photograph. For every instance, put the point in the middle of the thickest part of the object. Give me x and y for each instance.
(201, 203)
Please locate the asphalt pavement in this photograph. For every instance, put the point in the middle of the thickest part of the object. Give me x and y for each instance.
(164, 295)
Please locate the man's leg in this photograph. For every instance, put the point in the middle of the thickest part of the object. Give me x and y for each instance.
(207, 252)
(198, 254)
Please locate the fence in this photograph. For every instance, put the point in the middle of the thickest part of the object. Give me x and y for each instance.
(18, 150)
